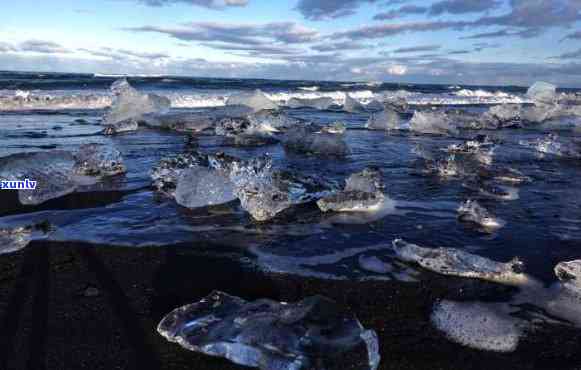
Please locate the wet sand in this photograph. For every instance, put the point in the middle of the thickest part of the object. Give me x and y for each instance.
(77, 306)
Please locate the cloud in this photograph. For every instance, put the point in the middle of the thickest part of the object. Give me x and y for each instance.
(120, 54)
(317, 10)
(571, 55)
(380, 31)
(339, 46)
(459, 52)
(210, 4)
(536, 14)
(526, 33)
(415, 49)
(34, 46)
(403, 11)
(283, 32)
(463, 6)
(573, 36)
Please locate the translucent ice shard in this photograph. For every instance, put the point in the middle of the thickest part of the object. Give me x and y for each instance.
(387, 119)
(504, 115)
(552, 144)
(352, 105)
(471, 211)
(270, 122)
(12, 240)
(182, 122)
(310, 334)
(363, 192)
(166, 173)
(449, 261)
(130, 104)
(542, 92)
(122, 126)
(306, 140)
(477, 325)
(335, 128)
(569, 274)
(257, 101)
(98, 161)
(51, 170)
(436, 123)
(254, 185)
(321, 103)
(203, 187)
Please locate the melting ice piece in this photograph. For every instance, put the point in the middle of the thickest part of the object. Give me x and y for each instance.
(387, 119)
(232, 126)
(542, 92)
(471, 211)
(166, 173)
(503, 115)
(12, 240)
(477, 325)
(374, 106)
(335, 128)
(363, 192)
(52, 170)
(374, 264)
(122, 126)
(305, 140)
(432, 123)
(257, 101)
(569, 274)
(551, 144)
(310, 334)
(321, 103)
(203, 187)
(352, 105)
(98, 161)
(255, 187)
(182, 122)
(449, 261)
(130, 104)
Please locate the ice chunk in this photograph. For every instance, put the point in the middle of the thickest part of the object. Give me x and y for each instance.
(98, 161)
(352, 105)
(232, 126)
(363, 192)
(374, 264)
(471, 211)
(477, 325)
(129, 104)
(504, 115)
(374, 106)
(321, 103)
(203, 187)
(387, 119)
(551, 144)
(271, 121)
(255, 187)
(122, 126)
(569, 274)
(305, 140)
(166, 173)
(257, 101)
(448, 261)
(542, 92)
(436, 123)
(52, 170)
(12, 240)
(335, 128)
(182, 122)
(310, 334)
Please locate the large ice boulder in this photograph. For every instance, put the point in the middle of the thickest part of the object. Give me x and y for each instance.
(256, 100)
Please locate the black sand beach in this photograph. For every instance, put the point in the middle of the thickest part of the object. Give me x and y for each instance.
(76, 306)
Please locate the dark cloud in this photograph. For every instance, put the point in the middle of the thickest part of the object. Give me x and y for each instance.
(459, 52)
(380, 31)
(526, 33)
(211, 4)
(535, 14)
(403, 11)
(416, 49)
(317, 10)
(463, 6)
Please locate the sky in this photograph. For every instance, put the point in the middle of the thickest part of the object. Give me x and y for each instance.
(480, 42)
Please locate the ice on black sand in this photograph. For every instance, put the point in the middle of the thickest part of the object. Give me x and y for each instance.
(310, 334)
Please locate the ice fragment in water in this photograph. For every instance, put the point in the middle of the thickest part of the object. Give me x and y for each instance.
(551, 144)
(471, 211)
(122, 126)
(130, 104)
(569, 274)
(321, 103)
(477, 325)
(542, 92)
(503, 115)
(12, 240)
(98, 161)
(166, 173)
(310, 334)
(257, 101)
(374, 264)
(387, 119)
(335, 128)
(202, 187)
(51, 170)
(182, 122)
(305, 140)
(352, 105)
(432, 123)
(255, 187)
(449, 261)
(363, 192)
